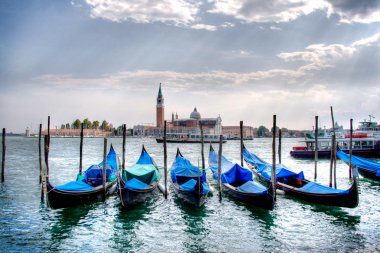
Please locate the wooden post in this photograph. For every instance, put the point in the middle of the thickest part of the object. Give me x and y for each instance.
(124, 136)
(45, 170)
(104, 168)
(81, 149)
(350, 161)
(165, 163)
(279, 145)
(316, 148)
(202, 146)
(333, 147)
(331, 161)
(220, 167)
(274, 158)
(46, 150)
(3, 158)
(48, 146)
(241, 144)
(40, 152)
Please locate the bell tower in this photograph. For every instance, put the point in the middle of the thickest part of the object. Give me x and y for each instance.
(160, 115)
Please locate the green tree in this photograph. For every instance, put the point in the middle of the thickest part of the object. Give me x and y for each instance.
(262, 131)
(76, 124)
(87, 124)
(95, 124)
(104, 126)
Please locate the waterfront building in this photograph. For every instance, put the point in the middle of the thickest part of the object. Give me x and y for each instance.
(189, 125)
(233, 132)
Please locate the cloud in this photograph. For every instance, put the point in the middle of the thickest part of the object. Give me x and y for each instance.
(204, 27)
(266, 11)
(354, 11)
(177, 12)
(339, 57)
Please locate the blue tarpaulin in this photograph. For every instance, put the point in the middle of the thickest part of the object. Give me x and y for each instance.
(317, 188)
(231, 172)
(74, 186)
(191, 184)
(135, 184)
(360, 162)
(265, 168)
(183, 168)
(252, 187)
(145, 158)
(94, 175)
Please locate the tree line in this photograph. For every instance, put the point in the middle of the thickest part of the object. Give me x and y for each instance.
(88, 124)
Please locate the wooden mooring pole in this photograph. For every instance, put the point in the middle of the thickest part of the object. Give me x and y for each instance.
(104, 168)
(279, 145)
(47, 143)
(220, 167)
(3, 158)
(45, 177)
(202, 146)
(241, 144)
(333, 148)
(124, 137)
(274, 158)
(316, 148)
(40, 151)
(81, 149)
(350, 161)
(165, 163)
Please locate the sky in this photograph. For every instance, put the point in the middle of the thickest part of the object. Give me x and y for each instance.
(240, 59)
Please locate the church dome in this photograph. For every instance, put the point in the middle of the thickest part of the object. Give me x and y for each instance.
(195, 114)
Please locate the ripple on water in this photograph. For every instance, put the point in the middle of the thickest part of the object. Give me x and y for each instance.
(168, 225)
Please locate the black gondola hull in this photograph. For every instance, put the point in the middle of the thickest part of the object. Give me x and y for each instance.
(265, 201)
(368, 174)
(190, 197)
(349, 200)
(61, 199)
(130, 197)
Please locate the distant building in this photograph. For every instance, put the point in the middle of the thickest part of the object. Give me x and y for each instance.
(76, 133)
(189, 125)
(233, 132)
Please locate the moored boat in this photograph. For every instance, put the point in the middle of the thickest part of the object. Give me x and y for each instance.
(189, 182)
(366, 141)
(295, 184)
(88, 187)
(239, 182)
(367, 168)
(138, 182)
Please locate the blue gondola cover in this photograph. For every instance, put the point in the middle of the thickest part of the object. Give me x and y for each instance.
(252, 187)
(135, 184)
(360, 162)
(189, 185)
(318, 188)
(74, 186)
(183, 168)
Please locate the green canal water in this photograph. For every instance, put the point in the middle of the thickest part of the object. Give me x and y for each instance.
(167, 225)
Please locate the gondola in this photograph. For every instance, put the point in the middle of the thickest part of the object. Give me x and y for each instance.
(296, 184)
(189, 182)
(367, 168)
(239, 182)
(138, 182)
(88, 187)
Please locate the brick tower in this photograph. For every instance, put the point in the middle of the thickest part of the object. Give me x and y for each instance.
(160, 113)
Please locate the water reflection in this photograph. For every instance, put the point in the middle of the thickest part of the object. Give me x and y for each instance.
(64, 221)
(127, 222)
(196, 231)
